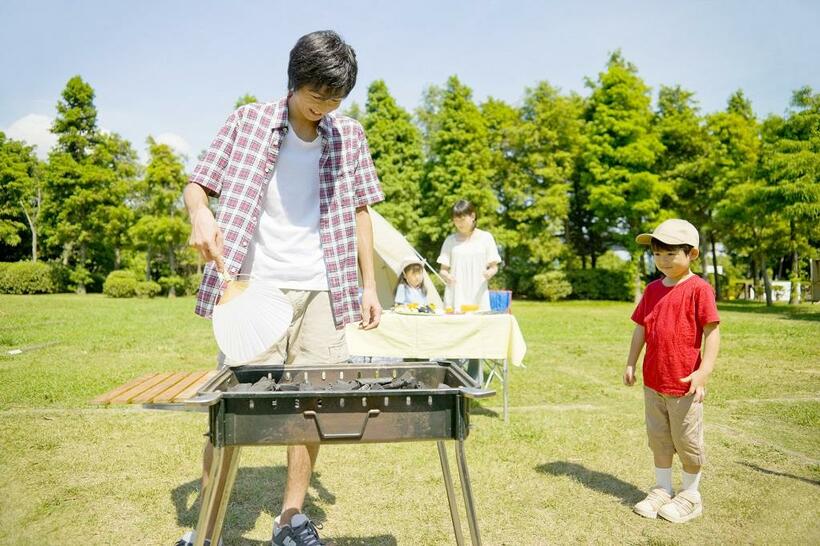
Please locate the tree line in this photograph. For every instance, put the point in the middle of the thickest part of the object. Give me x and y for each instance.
(561, 180)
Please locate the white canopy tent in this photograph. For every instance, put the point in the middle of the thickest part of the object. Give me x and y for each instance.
(390, 249)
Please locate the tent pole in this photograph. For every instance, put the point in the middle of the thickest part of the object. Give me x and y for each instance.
(430, 267)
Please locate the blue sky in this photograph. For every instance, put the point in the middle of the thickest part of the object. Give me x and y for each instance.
(173, 69)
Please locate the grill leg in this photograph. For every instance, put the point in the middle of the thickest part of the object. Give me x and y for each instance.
(216, 494)
(207, 497)
(223, 494)
(451, 493)
(467, 492)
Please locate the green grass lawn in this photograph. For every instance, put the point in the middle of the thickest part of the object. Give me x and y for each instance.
(567, 468)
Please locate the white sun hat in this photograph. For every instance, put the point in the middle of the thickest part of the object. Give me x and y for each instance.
(409, 260)
(672, 232)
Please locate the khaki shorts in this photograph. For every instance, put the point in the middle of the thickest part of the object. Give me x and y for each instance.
(674, 424)
(312, 337)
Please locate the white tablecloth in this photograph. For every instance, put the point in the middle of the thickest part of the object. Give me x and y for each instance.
(495, 337)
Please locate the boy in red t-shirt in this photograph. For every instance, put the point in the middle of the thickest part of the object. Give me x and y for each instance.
(675, 313)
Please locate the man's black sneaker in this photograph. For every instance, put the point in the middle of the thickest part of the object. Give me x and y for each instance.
(300, 532)
(189, 538)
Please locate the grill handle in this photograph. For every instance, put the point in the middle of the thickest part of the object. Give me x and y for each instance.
(203, 400)
(310, 414)
(472, 392)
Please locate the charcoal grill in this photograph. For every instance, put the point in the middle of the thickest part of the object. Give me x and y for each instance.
(240, 417)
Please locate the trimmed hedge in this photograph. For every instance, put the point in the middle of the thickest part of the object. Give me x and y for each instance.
(193, 282)
(120, 284)
(601, 284)
(147, 289)
(173, 281)
(552, 285)
(27, 278)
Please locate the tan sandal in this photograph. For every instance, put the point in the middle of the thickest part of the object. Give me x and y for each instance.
(656, 498)
(685, 506)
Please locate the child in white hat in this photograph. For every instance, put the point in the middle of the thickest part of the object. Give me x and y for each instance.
(411, 287)
(675, 318)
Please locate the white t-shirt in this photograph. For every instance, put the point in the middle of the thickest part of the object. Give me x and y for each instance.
(286, 247)
(467, 261)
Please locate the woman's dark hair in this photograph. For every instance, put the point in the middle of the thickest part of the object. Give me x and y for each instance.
(463, 208)
(324, 61)
(403, 279)
(660, 245)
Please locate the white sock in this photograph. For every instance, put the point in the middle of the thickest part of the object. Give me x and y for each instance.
(689, 481)
(663, 477)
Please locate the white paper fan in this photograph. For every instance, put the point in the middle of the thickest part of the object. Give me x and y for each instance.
(252, 322)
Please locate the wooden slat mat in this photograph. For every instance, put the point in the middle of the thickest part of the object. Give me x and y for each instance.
(157, 388)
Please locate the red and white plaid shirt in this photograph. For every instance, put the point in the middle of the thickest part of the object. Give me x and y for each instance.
(237, 167)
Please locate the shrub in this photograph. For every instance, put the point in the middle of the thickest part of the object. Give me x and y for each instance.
(62, 276)
(120, 284)
(80, 276)
(601, 284)
(174, 282)
(147, 289)
(193, 282)
(26, 278)
(552, 285)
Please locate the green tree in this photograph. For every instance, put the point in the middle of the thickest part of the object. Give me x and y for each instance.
(395, 144)
(116, 157)
(621, 189)
(355, 111)
(21, 193)
(687, 161)
(751, 228)
(735, 152)
(247, 98)
(85, 186)
(791, 167)
(76, 121)
(534, 151)
(458, 164)
(162, 228)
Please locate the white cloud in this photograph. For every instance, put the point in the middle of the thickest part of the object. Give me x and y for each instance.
(178, 143)
(34, 129)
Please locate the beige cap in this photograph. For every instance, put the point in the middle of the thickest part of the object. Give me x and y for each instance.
(672, 232)
(408, 260)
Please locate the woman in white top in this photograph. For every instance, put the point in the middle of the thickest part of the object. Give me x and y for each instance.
(469, 259)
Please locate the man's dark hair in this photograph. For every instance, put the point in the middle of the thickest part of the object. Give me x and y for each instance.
(324, 61)
(661, 246)
(463, 208)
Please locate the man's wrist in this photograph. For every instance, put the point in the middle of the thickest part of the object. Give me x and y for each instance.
(197, 210)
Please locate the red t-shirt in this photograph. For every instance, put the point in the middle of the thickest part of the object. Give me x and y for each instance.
(674, 318)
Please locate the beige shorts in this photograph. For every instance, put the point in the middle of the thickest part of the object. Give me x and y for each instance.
(312, 337)
(674, 424)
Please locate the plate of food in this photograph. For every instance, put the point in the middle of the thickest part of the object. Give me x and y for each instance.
(416, 309)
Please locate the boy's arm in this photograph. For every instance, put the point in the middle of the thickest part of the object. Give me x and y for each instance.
(711, 346)
(371, 309)
(638, 340)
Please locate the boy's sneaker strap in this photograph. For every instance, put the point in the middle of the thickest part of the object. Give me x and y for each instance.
(686, 505)
(656, 498)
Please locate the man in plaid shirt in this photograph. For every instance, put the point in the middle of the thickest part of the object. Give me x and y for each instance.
(294, 183)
